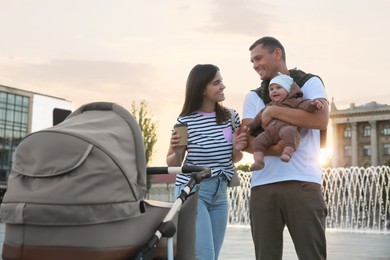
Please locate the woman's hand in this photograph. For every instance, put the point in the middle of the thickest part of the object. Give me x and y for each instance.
(240, 141)
(176, 151)
(175, 146)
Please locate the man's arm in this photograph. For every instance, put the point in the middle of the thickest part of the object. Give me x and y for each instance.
(273, 150)
(314, 120)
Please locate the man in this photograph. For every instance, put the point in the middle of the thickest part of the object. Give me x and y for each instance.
(287, 194)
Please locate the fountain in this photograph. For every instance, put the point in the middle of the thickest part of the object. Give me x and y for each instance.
(356, 198)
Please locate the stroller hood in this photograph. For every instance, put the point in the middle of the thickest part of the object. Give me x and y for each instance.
(89, 169)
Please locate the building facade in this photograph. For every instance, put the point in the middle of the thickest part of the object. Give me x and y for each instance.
(361, 135)
(23, 112)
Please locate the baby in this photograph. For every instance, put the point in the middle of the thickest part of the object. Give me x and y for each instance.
(283, 91)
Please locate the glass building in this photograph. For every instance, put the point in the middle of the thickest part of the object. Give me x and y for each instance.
(14, 125)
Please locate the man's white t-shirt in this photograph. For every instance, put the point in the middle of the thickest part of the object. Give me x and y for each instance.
(304, 164)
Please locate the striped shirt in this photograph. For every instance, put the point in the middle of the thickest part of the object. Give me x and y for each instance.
(209, 144)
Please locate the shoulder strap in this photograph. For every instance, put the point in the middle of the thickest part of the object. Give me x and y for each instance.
(231, 112)
(300, 77)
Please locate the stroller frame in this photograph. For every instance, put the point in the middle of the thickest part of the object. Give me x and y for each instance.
(167, 228)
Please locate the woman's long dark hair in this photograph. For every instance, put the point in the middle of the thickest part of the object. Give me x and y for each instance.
(199, 77)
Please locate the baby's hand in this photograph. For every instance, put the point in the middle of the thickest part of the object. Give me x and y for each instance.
(250, 127)
(319, 105)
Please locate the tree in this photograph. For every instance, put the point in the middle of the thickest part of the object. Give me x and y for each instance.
(147, 125)
(244, 167)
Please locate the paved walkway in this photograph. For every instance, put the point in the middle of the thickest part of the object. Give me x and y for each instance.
(341, 245)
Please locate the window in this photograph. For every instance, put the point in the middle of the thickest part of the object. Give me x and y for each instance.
(386, 130)
(386, 149)
(14, 111)
(367, 130)
(347, 151)
(347, 132)
(367, 150)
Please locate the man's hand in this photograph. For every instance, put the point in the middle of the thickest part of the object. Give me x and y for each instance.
(266, 116)
(273, 150)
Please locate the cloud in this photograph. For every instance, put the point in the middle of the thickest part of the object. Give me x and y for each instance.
(95, 72)
(75, 79)
(249, 18)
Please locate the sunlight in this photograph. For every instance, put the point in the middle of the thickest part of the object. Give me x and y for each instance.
(247, 158)
(325, 156)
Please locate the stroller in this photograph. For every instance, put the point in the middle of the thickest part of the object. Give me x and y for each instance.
(77, 191)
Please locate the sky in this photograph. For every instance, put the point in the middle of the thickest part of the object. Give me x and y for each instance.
(126, 51)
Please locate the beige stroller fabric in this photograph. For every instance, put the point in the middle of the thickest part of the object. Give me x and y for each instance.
(89, 169)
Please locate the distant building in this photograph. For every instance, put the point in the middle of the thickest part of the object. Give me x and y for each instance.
(361, 135)
(23, 112)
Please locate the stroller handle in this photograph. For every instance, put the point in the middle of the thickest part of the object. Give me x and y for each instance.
(201, 171)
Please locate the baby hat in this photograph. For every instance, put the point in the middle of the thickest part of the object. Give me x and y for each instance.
(283, 80)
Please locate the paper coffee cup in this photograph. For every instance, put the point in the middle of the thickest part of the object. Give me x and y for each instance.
(181, 129)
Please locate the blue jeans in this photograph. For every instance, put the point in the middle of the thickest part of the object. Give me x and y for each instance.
(212, 217)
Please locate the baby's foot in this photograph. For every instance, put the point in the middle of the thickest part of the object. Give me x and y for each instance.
(256, 166)
(285, 157)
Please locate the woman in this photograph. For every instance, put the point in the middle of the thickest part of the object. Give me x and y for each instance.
(211, 143)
